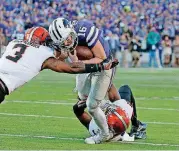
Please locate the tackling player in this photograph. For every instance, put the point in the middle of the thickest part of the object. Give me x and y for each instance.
(127, 103)
(67, 35)
(24, 59)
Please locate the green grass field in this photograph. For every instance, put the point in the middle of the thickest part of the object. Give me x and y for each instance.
(39, 116)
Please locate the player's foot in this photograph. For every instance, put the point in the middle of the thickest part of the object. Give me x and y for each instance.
(140, 131)
(97, 139)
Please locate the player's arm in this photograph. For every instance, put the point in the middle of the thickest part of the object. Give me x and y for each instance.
(92, 35)
(75, 67)
(113, 94)
(99, 53)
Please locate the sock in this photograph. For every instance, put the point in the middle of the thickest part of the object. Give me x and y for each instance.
(134, 121)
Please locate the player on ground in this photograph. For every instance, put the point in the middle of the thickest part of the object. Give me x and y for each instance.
(24, 59)
(138, 128)
(68, 35)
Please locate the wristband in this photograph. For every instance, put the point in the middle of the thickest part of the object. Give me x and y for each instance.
(92, 68)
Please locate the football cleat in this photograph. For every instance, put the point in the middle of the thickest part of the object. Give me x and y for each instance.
(139, 132)
(97, 139)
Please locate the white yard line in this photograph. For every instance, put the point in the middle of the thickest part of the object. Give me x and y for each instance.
(176, 98)
(163, 109)
(152, 144)
(73, 118)
(162, 123)
(38, 116)
(80, 139)
(41, 102)
(45, 137)
(70, 104)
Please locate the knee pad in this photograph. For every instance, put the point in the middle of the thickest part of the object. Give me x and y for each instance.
(125, 92)
(79, 108)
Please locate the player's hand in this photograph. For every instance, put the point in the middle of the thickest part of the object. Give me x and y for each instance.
(110, 64)
(61, 55)
(115, 62)
(73, 56)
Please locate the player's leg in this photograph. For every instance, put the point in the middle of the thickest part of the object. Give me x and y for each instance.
(113, 94)
(100, 83)
(126, 93)
(138, 128)
(3, 91)
(83, 84)
(2, 95)
(79, 110)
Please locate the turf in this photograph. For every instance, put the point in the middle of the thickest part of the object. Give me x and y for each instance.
(39, 116)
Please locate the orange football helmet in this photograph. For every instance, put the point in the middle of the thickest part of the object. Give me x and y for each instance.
(36, 35)
(118, 120)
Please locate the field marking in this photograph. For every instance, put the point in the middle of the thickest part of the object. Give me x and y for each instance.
(36, 136)
(80, 139)
(70, 104)
(42, 102)
(74, 118)
(174, 98)
(159, 109)
(152, 144)
(40, 116)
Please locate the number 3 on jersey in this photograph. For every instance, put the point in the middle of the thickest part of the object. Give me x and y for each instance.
(18, 54)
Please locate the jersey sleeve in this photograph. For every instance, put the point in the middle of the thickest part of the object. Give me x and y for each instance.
(88, 33)
(92, 36)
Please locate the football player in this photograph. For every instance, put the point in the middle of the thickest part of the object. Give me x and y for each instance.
(127, 103)
(68, 35)
(24, 59)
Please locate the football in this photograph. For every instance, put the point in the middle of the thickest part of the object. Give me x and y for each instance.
(84, 53)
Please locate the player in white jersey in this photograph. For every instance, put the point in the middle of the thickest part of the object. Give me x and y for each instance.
(118, 127)
(118, 115)
(24, 59)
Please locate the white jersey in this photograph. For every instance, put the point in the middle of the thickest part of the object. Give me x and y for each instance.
(21, 62)
(125, 106)
(94, 129)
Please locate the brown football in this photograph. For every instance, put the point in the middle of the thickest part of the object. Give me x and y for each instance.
(84, 53)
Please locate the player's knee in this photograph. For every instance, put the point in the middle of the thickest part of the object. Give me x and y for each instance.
(79, 108)
(92, 105)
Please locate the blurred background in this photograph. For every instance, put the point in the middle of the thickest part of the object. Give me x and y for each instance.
(141, 33)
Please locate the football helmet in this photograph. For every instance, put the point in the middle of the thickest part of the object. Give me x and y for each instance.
(61, 30)
(36, 35)
(117, 120)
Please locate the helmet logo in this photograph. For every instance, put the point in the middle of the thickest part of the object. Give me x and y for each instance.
(66, 23)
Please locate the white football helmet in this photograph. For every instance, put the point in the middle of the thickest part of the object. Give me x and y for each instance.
(60, 29)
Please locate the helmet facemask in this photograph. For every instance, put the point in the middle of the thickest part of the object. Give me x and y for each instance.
(74, 42)
(63, 35)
